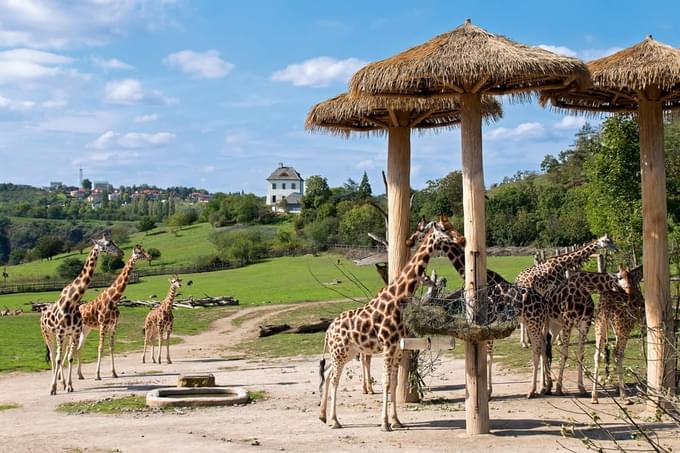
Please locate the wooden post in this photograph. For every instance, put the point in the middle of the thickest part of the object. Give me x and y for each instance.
(658, 307)
(476, 397)
(398, 212)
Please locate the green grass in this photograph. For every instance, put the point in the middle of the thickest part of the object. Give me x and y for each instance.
(180, 248)
(273, 281)
(106, 406)
(257, 395)
(8, 406)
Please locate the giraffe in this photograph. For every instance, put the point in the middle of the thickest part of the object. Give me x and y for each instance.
(621, 311)
(571, 306)
(527, 302)
(159, 323)
(377, 327)
(103, 312)
(62, 319)
(542, 276)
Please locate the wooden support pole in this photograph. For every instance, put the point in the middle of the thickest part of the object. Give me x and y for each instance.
(476, 397)
(658, 307)
(398, 211)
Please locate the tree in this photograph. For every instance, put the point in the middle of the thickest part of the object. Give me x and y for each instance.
(364, 190)
(183, 218)
(317, 192)
(360, 220)
(244, 246)
(86, 184)
(154, 253)
(613, 184)
(441, 196)
(5, 246)
(110, 264)
(48, 246)
(70, 268)
(120, 233)
(146, 223)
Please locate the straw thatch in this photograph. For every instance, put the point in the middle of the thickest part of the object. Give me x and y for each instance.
(469, 59)
(621, 78)
(345, 114)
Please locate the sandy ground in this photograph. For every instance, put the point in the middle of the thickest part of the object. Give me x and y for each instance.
(288, 419)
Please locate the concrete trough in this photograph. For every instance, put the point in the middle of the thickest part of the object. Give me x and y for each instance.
(196, 397)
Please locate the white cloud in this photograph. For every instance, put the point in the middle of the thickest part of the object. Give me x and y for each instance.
(23, 65)
(78, 123)
(205, 65)
(111, 63)
(131, 140)
(68, 24)
(522, 131)
(25, 105)
(319, 72)
(583, 54)
(131, 91)
(146, 118)
(570, 122)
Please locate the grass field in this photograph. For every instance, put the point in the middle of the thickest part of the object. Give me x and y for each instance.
(179, 248)
(274, 281)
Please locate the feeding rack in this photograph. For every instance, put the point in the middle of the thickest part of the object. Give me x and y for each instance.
(486, 314)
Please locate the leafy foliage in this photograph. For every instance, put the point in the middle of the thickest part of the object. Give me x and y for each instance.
(70, 268)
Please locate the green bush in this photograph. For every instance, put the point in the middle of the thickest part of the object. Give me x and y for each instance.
(70, 268)
(110, 263)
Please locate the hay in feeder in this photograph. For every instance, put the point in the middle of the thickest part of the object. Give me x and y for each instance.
(490, 315)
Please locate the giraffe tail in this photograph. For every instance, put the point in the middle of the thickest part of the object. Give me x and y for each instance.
(548, 349)
(322, 368)
(48, 359)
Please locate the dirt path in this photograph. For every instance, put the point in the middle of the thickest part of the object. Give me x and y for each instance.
(287, 420)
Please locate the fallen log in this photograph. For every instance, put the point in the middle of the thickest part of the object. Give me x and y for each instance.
(320, 326)
(269, 330)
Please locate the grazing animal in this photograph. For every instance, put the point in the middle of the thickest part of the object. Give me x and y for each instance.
(571, 306)
(62, 320)
(158, 323)
(103, 312)
(377, 327)
(622, 311)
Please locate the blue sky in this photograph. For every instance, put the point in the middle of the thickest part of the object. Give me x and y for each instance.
(214, 93)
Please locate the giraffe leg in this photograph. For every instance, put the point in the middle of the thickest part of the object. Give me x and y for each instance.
(167, 345)
(81, 342)
(387, 387)
(71, 350)
(160, 345)
(112, 335)
(619, 349)
(153, 349)
(335, 381)
(395, 423)
(324, 392)
(146, 340)
(565, 333)
(367, 381)
(600, 337)
(582, 336)
(523, 337)
(100, 350)
(57, 364)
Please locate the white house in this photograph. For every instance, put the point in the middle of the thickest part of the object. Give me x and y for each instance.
(285, 183)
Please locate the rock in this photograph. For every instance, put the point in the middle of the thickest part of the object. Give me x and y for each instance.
(196, 380)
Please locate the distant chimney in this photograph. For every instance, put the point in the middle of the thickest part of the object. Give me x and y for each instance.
(280, 164)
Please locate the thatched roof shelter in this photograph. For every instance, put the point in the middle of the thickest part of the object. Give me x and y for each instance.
(469, 62)
(620, 78)
(644, 78)
(469, 59)
(345, 114)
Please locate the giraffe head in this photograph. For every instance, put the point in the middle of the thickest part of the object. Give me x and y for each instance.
(107, 246)
(625, 280)
(442, 225)
(606, 242)
(175, 282)
(139, 253)
(442, 233)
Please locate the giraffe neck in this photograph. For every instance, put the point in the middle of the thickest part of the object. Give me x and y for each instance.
(594, 281)
(456, 255)
(121, 281)
(73, 292)
(169, 299)
(573, 259)
(405, 284)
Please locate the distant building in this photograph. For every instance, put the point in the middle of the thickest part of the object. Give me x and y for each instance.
(56, 185)
(102, 185)
(200, 197)
(285, 183)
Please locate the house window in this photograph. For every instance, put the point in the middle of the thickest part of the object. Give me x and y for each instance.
(283, 186)
(292, 185)
(273, 186)
(273, 198)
